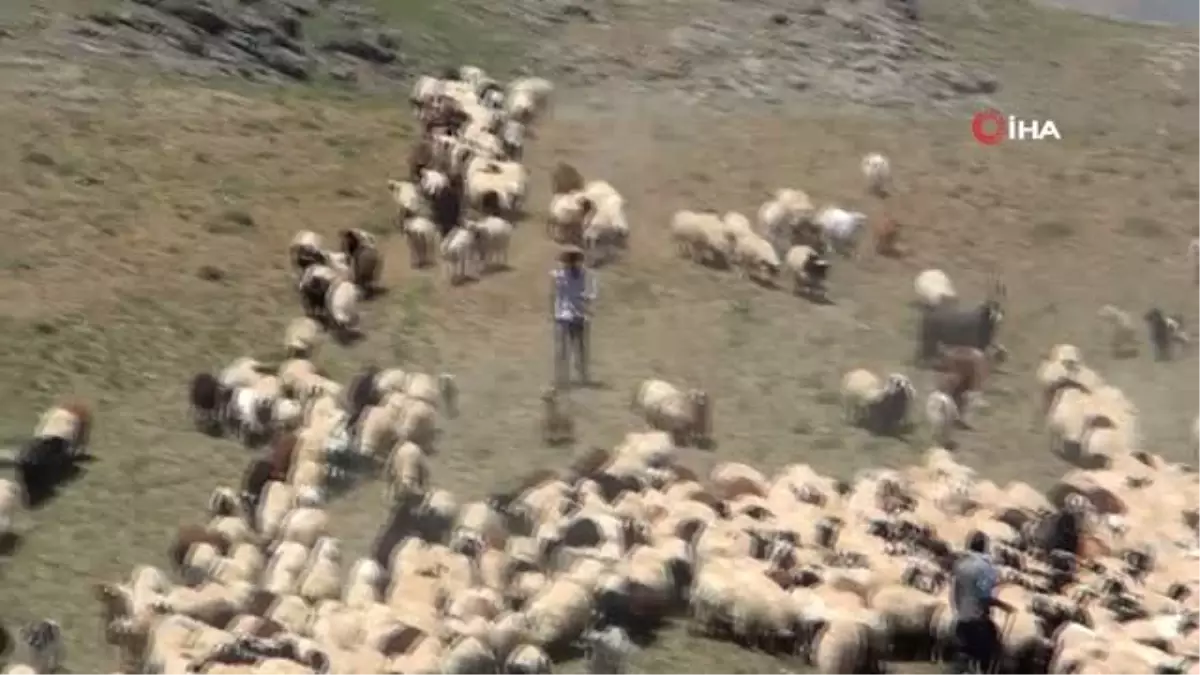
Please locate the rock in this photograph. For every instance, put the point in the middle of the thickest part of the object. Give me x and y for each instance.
(365, 47)
(287, 62)
(780, 19)
(201, 14)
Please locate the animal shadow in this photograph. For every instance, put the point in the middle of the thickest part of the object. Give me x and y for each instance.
(69, 475)
(374, 292)
(347, 337)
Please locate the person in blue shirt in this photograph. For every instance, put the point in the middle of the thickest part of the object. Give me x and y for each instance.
(971, 597)
(573, 292)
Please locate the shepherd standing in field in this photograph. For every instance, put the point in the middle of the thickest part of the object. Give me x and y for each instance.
(572, 293)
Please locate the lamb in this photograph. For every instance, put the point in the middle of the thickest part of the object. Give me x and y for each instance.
(558, 426)
(407, 474)
(808, 270)
(700, 236)
(880, 407)
(877, 171)
(422, 237)
(493, 235)
(459, 250)
(1123, 335)
(757, 259)
(933, 288)
(512, 136)
(840, 228)
(409, 200)
(687, 417)
(942, 414)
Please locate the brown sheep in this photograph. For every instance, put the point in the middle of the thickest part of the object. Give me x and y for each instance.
(420, 157)
(565, 179)
(281, 456)
(968, 363)
(190, 535)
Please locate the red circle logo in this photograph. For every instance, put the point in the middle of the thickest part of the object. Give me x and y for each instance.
(989, 127)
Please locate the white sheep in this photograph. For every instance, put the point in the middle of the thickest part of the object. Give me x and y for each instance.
(736, 225)
(512, 136)
(807, 269)
(12, 499)
(756, 259)
(322, 578)
(700, 236)
(1123, 337)
(528, 98)
(567, 215)
(342, 304)
(493, 235)
(840, 228)
(933, 288)
(306, 248)
(459, 251)
(433, 182)
(301, 337)
(424, 90)
(304, 524)
(422, 237)
(363, 584)
(877, 171)
(780, 219)
(436, 391)
(408, 199)
(688, 417)
(507, 181)
(407, 473)
(942, 414)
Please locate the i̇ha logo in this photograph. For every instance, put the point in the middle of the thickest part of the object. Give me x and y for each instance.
(991, 127)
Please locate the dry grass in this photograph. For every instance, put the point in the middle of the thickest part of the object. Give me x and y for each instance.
(146, 219)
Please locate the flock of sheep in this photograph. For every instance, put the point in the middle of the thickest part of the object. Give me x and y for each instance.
(1101, 570)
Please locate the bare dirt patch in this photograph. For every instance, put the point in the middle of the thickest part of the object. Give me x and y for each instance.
(146, 219)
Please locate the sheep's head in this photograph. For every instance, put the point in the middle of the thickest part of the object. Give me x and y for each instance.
(701, 412)
(327, 548)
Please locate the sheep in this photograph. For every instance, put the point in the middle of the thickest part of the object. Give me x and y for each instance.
(951, 325)
(407, 474)
(12, 499)
(567, 215)
(507, 181)
(43, 640)
(782, 219)
(304, 524)
(942, 414)
(565, 179)
(877, 172)
(187, 536)
(459, 250)
(306, 250)
(322, 578)
(422, 237)
(840, 228)
(1123, 332)
(933, 288)
(609, 650)
(70, 421)
(687, 417)
(408, 198)
(341, 304)
(756, 259)
(1165, 331)
(493, 235)
(314, 286)
(887, 237)
(301, 338)
(559, 614)
(208, 399)
(606, 231)
(700, 236)
(527, 99)
(808, 270)
(249, 414)
(881, 407)
(512, 136)
(530, 660)
(366, 263)
(424, 90)
(557, 425)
